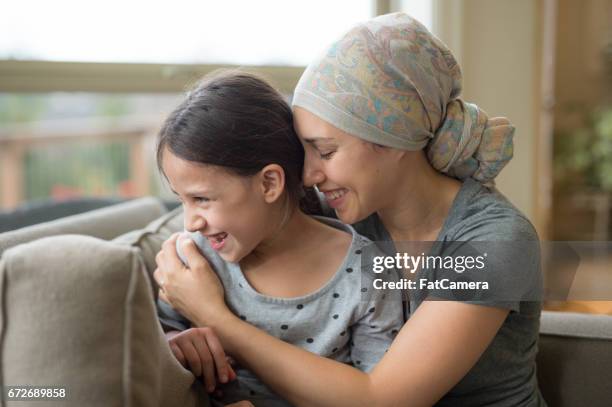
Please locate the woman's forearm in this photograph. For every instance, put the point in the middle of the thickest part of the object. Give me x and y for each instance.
(322, 382)
(406, 375)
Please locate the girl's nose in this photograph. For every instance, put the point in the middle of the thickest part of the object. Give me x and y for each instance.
(193, 221)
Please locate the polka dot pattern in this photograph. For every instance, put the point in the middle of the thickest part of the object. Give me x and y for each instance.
(340, 321)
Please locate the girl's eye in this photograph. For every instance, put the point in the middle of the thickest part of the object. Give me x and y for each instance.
(326, 156)
(201, 199)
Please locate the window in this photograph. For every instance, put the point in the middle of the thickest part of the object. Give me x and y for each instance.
(243, 32)
(84, 86)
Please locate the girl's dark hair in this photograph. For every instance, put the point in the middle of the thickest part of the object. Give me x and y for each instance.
(237, 121)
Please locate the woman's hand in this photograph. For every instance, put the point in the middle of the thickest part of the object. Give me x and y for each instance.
(199, 350)
(193, 290)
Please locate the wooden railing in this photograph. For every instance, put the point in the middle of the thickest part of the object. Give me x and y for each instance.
(137, 132)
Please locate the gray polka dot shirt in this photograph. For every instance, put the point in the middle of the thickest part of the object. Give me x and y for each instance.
(346, 319)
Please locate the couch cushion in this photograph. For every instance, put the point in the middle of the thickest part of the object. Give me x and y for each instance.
(575, 359)
(149, 239)
(78, 312)
(105, 223)
(44, 210)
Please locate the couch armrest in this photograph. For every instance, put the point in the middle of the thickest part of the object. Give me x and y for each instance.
(575, 359)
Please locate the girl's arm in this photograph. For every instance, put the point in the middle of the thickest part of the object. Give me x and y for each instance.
(438, 345)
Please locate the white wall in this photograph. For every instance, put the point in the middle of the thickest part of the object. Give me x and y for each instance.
(496, 42)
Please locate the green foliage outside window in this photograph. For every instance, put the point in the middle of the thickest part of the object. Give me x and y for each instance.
(583, 158)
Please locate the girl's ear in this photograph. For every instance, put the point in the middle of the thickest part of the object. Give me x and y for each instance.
(272, 182)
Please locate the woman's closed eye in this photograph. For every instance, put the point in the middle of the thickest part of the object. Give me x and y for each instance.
(326, 155)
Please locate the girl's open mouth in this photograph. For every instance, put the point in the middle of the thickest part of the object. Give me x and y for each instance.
(217, 241)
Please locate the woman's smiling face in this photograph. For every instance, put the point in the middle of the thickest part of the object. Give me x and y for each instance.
(229, 210)
(356, 177)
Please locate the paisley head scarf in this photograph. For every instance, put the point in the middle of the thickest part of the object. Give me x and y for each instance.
(389, 81)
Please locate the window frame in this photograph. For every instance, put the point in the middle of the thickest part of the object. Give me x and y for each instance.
(52, 76)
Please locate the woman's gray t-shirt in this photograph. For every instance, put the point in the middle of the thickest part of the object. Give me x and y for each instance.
(505, 375)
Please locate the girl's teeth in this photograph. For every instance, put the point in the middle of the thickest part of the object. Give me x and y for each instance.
(219, 237)
(336, 194)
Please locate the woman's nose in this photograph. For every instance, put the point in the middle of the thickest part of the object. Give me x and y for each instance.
(312, 173)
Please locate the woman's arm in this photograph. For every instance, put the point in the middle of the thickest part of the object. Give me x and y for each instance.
(438, 345)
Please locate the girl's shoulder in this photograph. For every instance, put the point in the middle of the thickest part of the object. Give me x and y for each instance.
(344, 232)
(361, 252)
(354, 248)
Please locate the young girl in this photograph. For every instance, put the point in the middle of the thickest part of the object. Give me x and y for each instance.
(230, 153)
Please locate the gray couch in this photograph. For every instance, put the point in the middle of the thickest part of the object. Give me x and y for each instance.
(78, 311)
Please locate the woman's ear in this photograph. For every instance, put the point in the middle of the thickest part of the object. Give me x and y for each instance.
(393, 154)
(272, 182)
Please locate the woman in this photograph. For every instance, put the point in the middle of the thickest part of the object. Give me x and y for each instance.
(400, 156)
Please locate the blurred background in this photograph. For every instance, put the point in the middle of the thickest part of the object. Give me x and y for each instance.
(84, 87)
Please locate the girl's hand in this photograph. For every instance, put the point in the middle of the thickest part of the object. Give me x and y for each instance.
(194, 290)
(199, 350)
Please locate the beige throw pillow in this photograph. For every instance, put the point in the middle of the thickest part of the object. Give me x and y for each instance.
(79, 312)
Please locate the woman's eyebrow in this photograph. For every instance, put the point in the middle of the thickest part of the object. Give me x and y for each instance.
(318, 140)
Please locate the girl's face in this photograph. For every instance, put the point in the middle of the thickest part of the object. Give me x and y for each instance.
(229, 210)
(356, 177)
